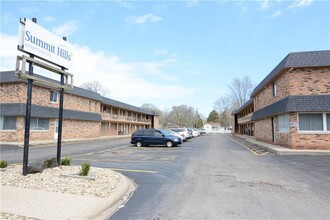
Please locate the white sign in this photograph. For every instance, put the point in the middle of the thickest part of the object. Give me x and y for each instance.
(36, 40)
(294, 124)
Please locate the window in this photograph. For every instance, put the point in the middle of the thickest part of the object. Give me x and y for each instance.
(158, 134)
(53, 96)
(7, 122)
(274, 89)
(311, 122)
(39, 124)
(328, 121)
(283, 123)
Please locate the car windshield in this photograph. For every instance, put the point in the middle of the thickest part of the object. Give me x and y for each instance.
(165, 132)
(177, 130)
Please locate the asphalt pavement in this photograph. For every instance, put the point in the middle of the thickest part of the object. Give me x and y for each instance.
(45, 205)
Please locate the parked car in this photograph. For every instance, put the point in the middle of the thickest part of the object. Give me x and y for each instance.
(181, 136)
(145, 137)
(182, 131)
(194, 132)
(202, 131)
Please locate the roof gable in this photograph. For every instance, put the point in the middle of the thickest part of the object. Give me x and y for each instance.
(295, 60)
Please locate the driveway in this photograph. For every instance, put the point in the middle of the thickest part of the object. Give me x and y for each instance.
(210, 177)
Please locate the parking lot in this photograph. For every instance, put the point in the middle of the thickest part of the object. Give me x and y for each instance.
(213, 176)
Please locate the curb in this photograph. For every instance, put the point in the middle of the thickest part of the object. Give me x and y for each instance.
(96, 208)
(278, 150)
(68, 141)
(116, 199)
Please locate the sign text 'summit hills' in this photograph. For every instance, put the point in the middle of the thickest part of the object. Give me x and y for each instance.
(38, 41)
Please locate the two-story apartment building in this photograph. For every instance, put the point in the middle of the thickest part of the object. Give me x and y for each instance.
(86, 114)
(291, 106)
(242, 118)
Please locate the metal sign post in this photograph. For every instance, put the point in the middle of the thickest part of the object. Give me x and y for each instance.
(50, 53)
(60, 119)
(28, 116)
(60, 123)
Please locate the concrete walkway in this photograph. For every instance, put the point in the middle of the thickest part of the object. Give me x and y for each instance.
(279, 150)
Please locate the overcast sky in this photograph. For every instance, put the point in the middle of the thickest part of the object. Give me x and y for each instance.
(172, 52)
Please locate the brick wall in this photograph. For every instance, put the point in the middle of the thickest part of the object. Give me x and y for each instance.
(113, 129)
(304, 81)
(156, 121)
(309, 81)
(292, 139)
(17, 92)
(81, 104)
(18, 134)
(15, 135)
(13, 93)
(265, 97)
(81, 129)
(263, 130)
(71, 129)
(307, 141)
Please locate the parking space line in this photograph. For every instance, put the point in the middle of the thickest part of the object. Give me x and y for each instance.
(97, 152)
(135, 171)
(258, 151)
(242, 145)
(125, 161)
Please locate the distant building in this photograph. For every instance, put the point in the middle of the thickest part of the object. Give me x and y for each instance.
(86, 114)
(291, 106)
(242, 117)
(211, 127)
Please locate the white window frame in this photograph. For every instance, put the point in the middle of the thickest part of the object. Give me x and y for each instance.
(324, 120)
(50, 96)
(1, 126)
(274, 87)
(286, 128)
(38, 126)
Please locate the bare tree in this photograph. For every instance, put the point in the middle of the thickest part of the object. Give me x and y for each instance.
(151, 107)
(95, 86)
(183, 115)
(240, 91)
(223, 106)
(223, 103)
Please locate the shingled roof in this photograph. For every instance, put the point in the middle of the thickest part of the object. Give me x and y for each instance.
(122, 105)
(250, 102)
(9, 77)
(14, 109)
(304, 103)
(296, 60)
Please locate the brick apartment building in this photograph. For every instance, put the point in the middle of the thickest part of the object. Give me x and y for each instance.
(86, 114)
(291, 106)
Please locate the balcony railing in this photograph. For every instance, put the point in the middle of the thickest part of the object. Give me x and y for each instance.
(123, 118)
(245, 119)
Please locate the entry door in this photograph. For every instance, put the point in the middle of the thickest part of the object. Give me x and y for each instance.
(273, 130)
(56, 129)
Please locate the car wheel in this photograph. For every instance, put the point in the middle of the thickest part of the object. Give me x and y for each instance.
(139, 144)
(169, 143)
